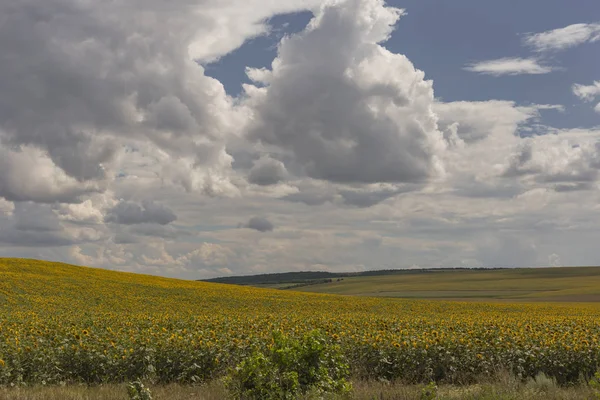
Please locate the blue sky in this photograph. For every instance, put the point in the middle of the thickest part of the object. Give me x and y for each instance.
(257, 52)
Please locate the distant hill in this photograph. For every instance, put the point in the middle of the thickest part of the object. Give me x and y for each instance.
(287, 280)
(523, 284)
(41, 284)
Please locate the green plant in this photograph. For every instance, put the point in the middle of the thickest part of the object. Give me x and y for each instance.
(138, 391)
(290, 367)
(542, 383)
(594, 384)
(429, 392)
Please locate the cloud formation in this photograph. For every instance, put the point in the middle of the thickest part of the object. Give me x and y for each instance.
(563, 38)
(260, 224)
(553, 40)
(509, 66)
(28, 174)
(343, 107)
(567, 162)
(106, 76)
(588, 93)
(30, 225)
(472, 121)
(129, 213)
(267, 171)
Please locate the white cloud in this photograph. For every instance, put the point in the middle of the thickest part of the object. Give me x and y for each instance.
(130, 213)
(510, 66)
(28, 174)
(472, 121)
(563, 38)
(556, 107)
(86, 212)
(343, 108)
(231, 22)
(209, 255)
(587, 92)
(106, 74)
(490, 160)
(102, 82)
(565, 161)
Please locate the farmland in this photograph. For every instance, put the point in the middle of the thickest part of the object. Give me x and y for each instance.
(565, 284)
(66, 324)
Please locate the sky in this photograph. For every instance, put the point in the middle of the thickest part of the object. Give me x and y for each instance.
(204, 138)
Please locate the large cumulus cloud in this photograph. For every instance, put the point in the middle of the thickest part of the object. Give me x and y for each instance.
(29, 174)
(344, 107)
(80, 79)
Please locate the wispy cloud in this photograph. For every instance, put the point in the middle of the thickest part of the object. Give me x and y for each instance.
(509, 66)
(563, 38)
(557, 107)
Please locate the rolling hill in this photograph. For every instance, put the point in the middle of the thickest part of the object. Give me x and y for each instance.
(562, 284)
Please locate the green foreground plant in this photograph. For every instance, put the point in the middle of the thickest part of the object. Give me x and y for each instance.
(291, 367)
(138, 391)
(594, 384)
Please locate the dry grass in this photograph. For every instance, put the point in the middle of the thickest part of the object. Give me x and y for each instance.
(212, 391)
(505, 387)
(511, 389)
(112, 392)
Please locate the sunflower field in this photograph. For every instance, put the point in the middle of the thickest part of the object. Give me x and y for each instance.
(65, 324)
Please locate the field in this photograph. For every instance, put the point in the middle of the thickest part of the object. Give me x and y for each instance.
(539, 284)
(62, 324)
(569, 284)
